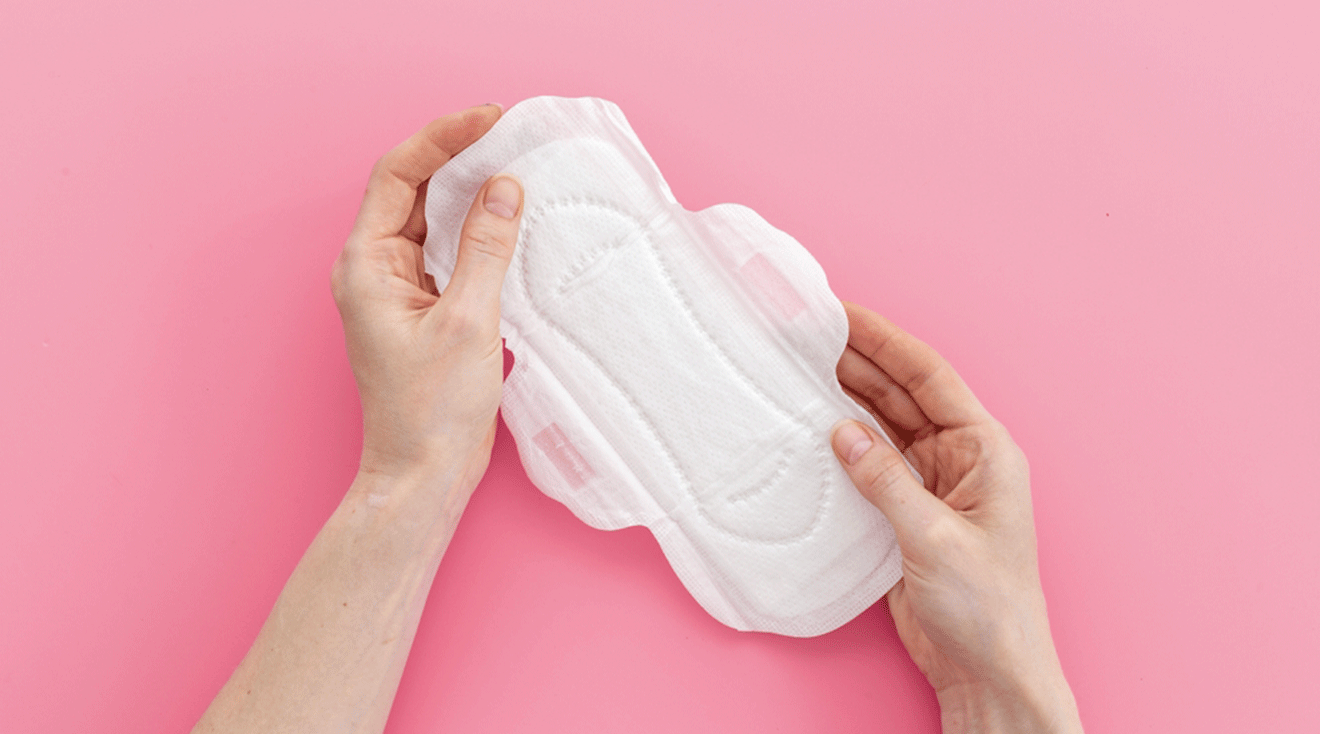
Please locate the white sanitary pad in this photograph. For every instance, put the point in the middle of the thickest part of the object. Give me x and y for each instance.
(673, 369)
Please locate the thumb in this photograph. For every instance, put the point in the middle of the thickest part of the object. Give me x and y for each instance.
(485, 245)
(880, 474)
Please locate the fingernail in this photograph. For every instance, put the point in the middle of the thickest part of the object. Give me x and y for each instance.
(502, 197)
(851, 442)
(496, 104)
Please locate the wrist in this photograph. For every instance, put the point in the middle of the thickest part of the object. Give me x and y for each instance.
(1041, 703)
(411, 508)
(432, 474)
(446, 459)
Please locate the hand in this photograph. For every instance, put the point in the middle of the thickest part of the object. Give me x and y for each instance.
(969, 609)
(428, 365)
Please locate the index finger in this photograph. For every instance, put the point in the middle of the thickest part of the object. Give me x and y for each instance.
(916, 367)
(392, 188)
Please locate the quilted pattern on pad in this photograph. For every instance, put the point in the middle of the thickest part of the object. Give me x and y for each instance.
(673, 369)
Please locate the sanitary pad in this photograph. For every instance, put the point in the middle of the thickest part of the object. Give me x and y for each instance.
(673, 369)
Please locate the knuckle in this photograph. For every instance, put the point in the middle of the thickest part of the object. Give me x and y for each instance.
(393, 164)
(876, 390)
(882, 475)
(463, 324)
(488, 239)
(1019, 457)
(944, 535)
(974, 442)
(339, 278)
(925, 376)
(382, 165)
(1001, 443)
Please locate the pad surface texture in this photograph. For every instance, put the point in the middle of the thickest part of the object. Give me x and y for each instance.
(673, 369)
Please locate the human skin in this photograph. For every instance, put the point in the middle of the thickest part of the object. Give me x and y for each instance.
(429, 366)
(969, 608)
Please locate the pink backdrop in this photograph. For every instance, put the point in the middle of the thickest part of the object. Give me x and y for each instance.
(1106, 218)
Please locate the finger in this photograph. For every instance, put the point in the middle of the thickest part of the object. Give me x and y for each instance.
(392, 188)
(485, 245)
(863, 377)
(415, 228)
(900, 441)
(931, 381)
(907, 441)
(879, 473)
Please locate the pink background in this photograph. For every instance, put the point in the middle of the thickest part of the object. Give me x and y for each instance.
(1106, 218)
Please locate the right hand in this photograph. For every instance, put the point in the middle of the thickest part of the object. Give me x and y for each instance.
(969, 608)
(429, 365)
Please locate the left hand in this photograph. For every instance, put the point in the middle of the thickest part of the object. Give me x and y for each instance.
(969, 609)
(428, 365)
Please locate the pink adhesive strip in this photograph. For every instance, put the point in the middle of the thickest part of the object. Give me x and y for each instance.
(561, 452)
(766, 279)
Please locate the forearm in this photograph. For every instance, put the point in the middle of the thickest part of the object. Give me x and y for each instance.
(330, 655)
